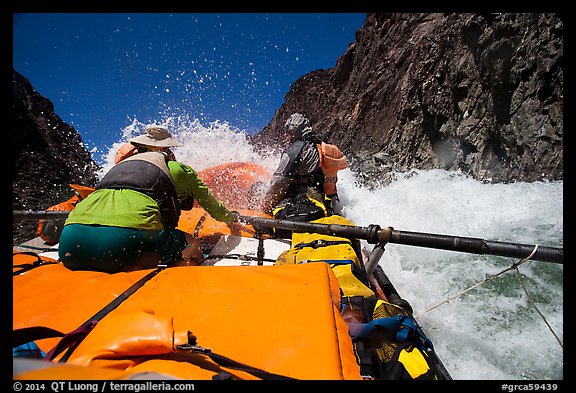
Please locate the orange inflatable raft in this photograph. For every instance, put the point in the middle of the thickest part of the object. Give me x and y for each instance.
(257, 308)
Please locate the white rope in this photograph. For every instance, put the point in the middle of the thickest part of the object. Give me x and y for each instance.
(514, 266)
(537, 310)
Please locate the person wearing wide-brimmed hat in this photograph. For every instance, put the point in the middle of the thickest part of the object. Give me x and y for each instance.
(155, 138)
(129, 221)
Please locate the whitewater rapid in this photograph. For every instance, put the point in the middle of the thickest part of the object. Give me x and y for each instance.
(491, 332)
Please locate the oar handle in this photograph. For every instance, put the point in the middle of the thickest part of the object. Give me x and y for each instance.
(374, 234)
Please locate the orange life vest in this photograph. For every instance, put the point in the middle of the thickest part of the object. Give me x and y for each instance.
(332, 160)
(125, 151)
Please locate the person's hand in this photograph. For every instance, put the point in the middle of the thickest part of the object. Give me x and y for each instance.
(264, 230)
(236, 228)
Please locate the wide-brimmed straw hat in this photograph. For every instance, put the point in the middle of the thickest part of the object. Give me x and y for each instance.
(156, 136)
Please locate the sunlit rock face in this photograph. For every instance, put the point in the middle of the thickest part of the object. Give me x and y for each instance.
(480, 93)
(47, 155)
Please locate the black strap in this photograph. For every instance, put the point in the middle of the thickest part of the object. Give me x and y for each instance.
(262, 374)
(223, 361)
(321, 243)
(123, 296)
(71, 340)
(29, 266)
(29, 334)
(87, 326)
(240, 257)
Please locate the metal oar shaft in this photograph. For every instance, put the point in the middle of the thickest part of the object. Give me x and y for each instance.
(374, 235)
(368, 233)
(477, 246)
(39, 215)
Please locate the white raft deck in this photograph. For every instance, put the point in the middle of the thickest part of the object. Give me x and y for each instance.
(241, 251)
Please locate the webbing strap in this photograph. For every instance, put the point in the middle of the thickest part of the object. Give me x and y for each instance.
(83, 330)
(71, 340)
(321, 243)
(29, 266)
(240, 257)
(227, 362)
(123, 296)
(33, 333)
(223, 361)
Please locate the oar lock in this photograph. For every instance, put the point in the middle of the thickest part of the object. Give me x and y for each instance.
(377, 235)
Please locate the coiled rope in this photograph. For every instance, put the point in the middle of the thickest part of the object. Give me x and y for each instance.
(515, 267)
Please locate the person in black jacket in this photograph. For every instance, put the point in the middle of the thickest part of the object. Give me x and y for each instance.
(297, 188)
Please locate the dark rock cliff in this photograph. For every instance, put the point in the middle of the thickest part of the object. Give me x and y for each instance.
(48, 154)
(481, 93)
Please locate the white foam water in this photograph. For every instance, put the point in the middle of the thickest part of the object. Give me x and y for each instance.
(491, 331)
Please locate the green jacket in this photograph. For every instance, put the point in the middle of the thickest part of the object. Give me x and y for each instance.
(133, 209)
